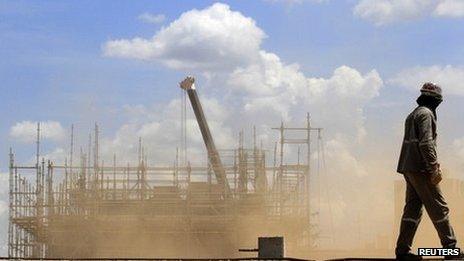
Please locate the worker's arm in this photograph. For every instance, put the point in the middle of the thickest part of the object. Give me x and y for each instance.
(427, 146)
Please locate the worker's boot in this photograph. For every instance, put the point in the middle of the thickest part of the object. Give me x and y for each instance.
(408, 257)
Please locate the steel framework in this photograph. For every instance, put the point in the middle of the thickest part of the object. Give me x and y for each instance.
(95, 209)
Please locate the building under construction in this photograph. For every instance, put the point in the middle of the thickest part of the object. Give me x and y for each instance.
(90, 208)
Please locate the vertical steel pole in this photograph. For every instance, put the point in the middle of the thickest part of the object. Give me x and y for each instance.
(11, 208)
(308, 173)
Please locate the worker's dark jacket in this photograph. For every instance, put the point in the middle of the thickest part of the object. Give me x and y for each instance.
(419, 149)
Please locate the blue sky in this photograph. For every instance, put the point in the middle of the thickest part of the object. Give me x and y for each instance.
(53, 67)
(52, 51)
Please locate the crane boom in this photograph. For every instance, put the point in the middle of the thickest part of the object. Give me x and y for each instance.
(188, 85)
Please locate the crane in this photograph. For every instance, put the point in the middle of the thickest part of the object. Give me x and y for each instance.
(188, 85)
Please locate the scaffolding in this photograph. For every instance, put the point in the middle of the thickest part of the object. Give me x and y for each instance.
(292, 178)
(91, 208)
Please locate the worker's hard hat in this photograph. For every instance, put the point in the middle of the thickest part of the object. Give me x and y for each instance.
(432, 89)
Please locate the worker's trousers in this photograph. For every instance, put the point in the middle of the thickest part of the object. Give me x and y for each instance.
(420, 192)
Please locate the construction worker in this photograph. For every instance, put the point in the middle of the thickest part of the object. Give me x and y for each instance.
(419, 165)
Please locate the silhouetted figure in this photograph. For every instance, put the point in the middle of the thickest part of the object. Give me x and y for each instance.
(419, 164)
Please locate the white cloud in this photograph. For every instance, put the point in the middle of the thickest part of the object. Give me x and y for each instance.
(161, 132)
(267, 76)
(271, 88)
(3, 207)
(4, 193)
(260, 89)
(452, 158)
(212, 38)
(56, 155)
(152, 18)
(382, 12)
(449, 77)
(26, 131)
(340, 155)
(251, 87)
(450, 8)
(458, 146)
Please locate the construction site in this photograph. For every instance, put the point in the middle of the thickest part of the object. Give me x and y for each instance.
(86, 207)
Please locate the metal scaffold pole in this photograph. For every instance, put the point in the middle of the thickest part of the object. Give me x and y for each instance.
(290, 175)
(83, 209)
(308, 176)
(11, 211)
